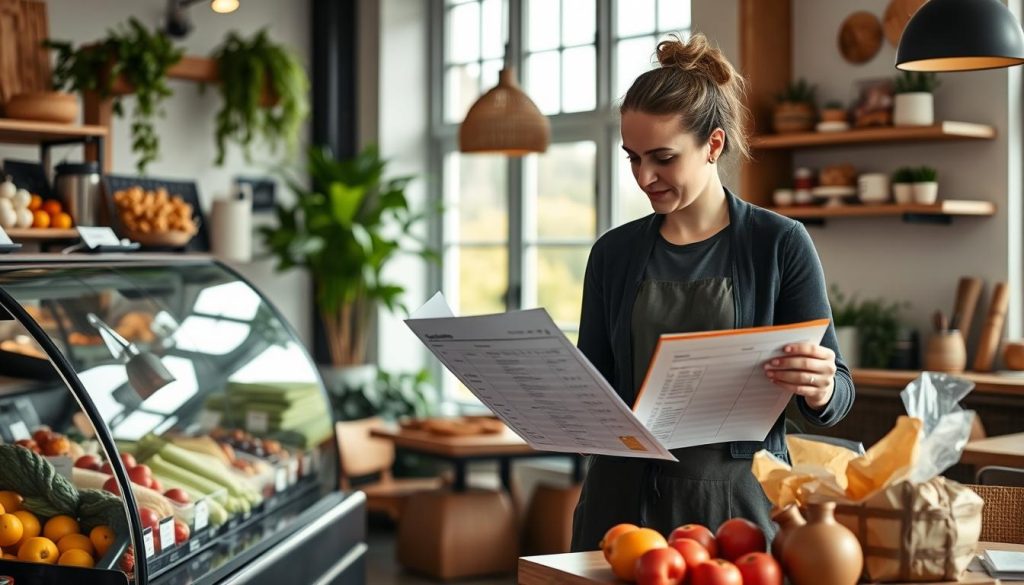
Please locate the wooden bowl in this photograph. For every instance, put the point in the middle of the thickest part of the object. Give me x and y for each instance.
(1013, 355)
(168, 239)
(43, 106)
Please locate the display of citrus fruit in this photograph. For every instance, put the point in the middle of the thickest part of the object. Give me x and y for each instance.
(38, 550)
(40, 219)
(11, 501)
(29, 524)
(609, 537)
(101, 537)
(76, 542)
(11, 530)
(61, 221)
(76, 558)
(630, 546)
(58, 527)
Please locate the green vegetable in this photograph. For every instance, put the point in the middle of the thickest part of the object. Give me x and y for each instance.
(101, 508)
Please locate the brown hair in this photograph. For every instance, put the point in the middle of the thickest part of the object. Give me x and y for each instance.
(697, 82)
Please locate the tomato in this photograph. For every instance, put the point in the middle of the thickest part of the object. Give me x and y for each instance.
(177, 495)
(716, 572)
(737, 537)
(660, 566)
(629, 547)
(758, 568)
(155, 485)
(181, 531)
(609, 537)
(140, 475)
(701, 534)
(88, 462)
(129, 460)
(693, 552)
(42, 434)
(150, 519)
(106, 468)
(111, 486)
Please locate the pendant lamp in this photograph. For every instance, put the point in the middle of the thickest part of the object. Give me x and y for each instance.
(505, 121)
(961, 35)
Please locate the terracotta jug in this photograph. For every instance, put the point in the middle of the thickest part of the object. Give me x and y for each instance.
(788, 519)
(822, 551)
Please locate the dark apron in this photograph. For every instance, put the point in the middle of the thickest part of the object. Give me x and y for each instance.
(707, 485)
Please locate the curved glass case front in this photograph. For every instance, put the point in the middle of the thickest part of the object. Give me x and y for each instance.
(215, 407)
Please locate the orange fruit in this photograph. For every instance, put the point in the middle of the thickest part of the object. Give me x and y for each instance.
(76, 558)
(61, 221)
(52, 206)
(11, 529)
(58, 527)
(629, 547)
(30, 525)
(40, 219)
(11, 501)
(76, 541)
(35, 202)
(609, 537)
(101, 537)
(39, 550)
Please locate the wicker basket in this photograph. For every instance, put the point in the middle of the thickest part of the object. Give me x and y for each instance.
(1003, 518)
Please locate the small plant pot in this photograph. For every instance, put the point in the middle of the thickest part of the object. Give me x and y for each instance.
(833, 115)
(790, 117)
(903, 193)
(925, 193)
(914, 109)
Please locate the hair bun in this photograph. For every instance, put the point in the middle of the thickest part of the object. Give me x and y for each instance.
(697, 56)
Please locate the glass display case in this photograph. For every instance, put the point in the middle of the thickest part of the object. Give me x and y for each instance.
(161, 423)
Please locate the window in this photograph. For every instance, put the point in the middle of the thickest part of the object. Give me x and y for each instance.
(516, 233)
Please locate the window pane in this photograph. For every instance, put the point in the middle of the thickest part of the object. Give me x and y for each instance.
(630, 201)
(493, 29)
(578, 21)
(479, 278)
(464, 33)
(635, 17)
(561, 188)
(558, 282)
(462, 85)
(673, 15)
(476, 201)
(489, 78)
(543, 81)
(632, 57)
(579, 83)
(543, 25)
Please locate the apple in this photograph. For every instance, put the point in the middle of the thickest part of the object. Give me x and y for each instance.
(758, 568)
(177, 495)
(140, 474)
(700, 533)
(149, 519)
(693, 552)
(181, 531)
(88, 462)
(129, 460)
(716, 572)
(42, 434)
(660, 566)
(111, 486)
(737, 537)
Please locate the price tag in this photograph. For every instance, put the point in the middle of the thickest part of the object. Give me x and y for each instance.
(62, 464)
(281, 479)
(208, 420)
(193, 545)
(293, 471)
(147, 541)
(257, 421)
(19, 430)
(167, 533)
(98, 236)
(201, 515)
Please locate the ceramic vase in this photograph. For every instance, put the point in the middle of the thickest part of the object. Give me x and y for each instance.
(788, 519)
(822, 551)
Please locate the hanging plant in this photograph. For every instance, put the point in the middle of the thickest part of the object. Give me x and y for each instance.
(133, 54)
(265, 91)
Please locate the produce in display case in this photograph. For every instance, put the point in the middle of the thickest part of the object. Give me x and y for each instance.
(160, 423)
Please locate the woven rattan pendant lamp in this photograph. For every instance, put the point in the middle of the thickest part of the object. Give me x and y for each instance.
(505, 120)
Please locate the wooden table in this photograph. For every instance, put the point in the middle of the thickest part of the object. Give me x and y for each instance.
(590, 568)
(1005, 450)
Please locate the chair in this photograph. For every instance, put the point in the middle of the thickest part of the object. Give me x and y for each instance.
(362, 456)
(1001, 516)
(998, 475)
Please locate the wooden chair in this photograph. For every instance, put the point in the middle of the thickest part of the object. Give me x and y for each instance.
(1001, 518)
(362, 456)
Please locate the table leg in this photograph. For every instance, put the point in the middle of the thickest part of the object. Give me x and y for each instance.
(460, 475)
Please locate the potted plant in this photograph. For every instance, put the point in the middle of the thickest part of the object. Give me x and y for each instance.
(867, 331)
(344, 229)
(925, 186)
(902, 189)
(833, 112)
(264, 90)
(132, 56)
(794, 111)
(914, 102)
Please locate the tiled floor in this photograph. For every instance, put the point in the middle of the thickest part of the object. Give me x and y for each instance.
(383, 570)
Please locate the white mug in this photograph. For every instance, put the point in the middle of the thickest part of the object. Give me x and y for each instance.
(873, 187)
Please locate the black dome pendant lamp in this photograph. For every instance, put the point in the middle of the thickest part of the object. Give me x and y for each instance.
(961, 35)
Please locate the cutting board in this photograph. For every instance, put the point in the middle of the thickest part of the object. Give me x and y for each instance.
(24, 62)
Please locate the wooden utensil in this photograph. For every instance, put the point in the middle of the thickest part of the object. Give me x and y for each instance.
(860, 37)
(967, 292)
(992, 329)
(939, 322)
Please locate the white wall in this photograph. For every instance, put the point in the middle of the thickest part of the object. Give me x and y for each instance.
(186, 133)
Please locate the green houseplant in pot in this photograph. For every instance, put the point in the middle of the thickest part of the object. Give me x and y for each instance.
(867, 330)
(131, 58)
(795, 110)
(264, 92)
(925, 186)
(914, 104)
(902, 185)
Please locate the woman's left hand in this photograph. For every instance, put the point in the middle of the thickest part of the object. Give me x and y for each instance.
(808, 370)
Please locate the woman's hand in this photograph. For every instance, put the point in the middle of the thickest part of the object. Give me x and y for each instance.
(808, 370)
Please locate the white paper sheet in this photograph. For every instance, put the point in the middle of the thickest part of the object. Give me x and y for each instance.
(530, 375)
(710, 387)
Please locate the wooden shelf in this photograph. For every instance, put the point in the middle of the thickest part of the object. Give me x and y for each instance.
(993, 383)
(941, 208)
(31, 132)
(23, 235)
(943, 131)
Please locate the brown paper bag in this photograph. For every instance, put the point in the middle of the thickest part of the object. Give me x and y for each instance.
(923, 532)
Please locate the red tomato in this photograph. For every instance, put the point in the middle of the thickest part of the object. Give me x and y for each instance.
(140, 474)
(737, 537)
(129, 460)
(111, 486)
(716, 572)
(701, 534)
(88, 462)
(106, 468)
(155, 484)
(181, 531)
(693, 552)
(150, 519)
(660, 566)
(758, 568)
(178, 495)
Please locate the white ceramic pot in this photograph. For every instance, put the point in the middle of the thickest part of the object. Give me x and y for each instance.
(782, 197)
(803, 197)
(926, 193)
(914, 109)
(849, 345)
(873, 187)
(903, 193)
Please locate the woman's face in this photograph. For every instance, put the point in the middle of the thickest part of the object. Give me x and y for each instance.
(668, 163)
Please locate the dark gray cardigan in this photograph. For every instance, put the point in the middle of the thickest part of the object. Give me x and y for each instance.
(777, 279)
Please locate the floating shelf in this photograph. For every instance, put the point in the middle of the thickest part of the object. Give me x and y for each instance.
(31, 132)
(41, 234)
(986, 383)
(941, 209)
(943, 131)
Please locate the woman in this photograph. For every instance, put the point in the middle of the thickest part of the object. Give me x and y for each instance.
(705, 260)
